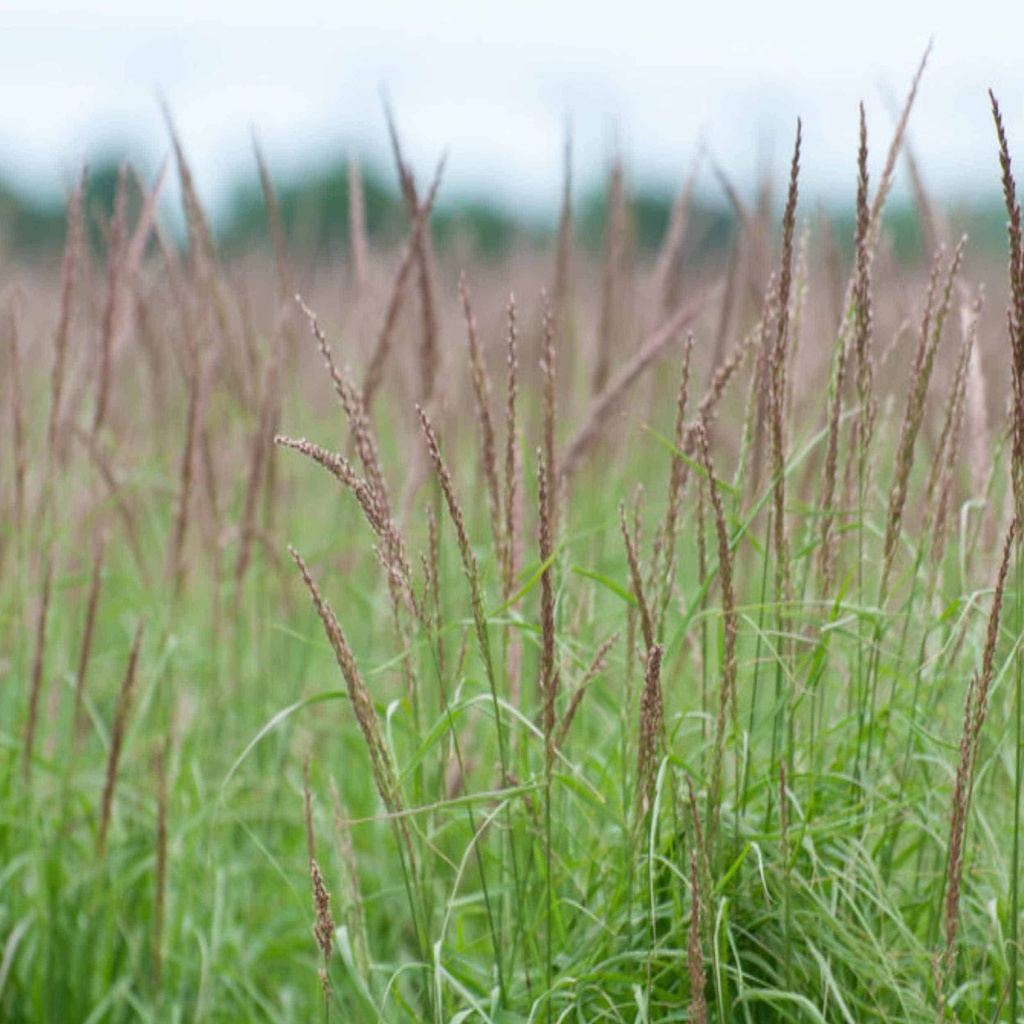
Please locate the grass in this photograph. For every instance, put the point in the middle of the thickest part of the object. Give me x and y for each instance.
(641, 695)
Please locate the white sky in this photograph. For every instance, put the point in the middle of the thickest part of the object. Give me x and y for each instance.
(493, 84)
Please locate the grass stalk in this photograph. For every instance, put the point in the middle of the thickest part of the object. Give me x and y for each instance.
(117, 733)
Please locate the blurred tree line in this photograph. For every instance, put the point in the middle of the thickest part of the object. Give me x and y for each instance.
(34, 228)
(315, 211)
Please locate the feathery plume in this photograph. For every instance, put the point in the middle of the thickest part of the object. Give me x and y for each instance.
(636, 577)
(485, 423)
(353, 897)
(433, 571)
(830, 465)
(469, 563)
(355, 410)
(513, 461)
(938, 490)
(548, 670)
(987, 673)
(381, 764)
(323, 923)
(676, 483)
(975, 711)
(702, 577)
(1015, 314)
(372, 494)
(798, 305)
(975, 398)
(323, 927)
(650, 734)
(924, 360)
(892, 156)
(777, 378)
(861, 307)
(548, 370)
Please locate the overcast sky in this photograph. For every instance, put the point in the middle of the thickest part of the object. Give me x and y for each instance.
(494, 84)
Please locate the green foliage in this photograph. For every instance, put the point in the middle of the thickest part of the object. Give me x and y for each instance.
(28, 227)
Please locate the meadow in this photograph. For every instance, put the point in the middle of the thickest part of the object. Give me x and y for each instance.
(400, 638)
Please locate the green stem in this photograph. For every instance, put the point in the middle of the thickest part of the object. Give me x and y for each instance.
(754, 686)
(1018, 780)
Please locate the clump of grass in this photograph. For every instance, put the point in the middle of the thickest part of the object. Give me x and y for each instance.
(698, 758)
